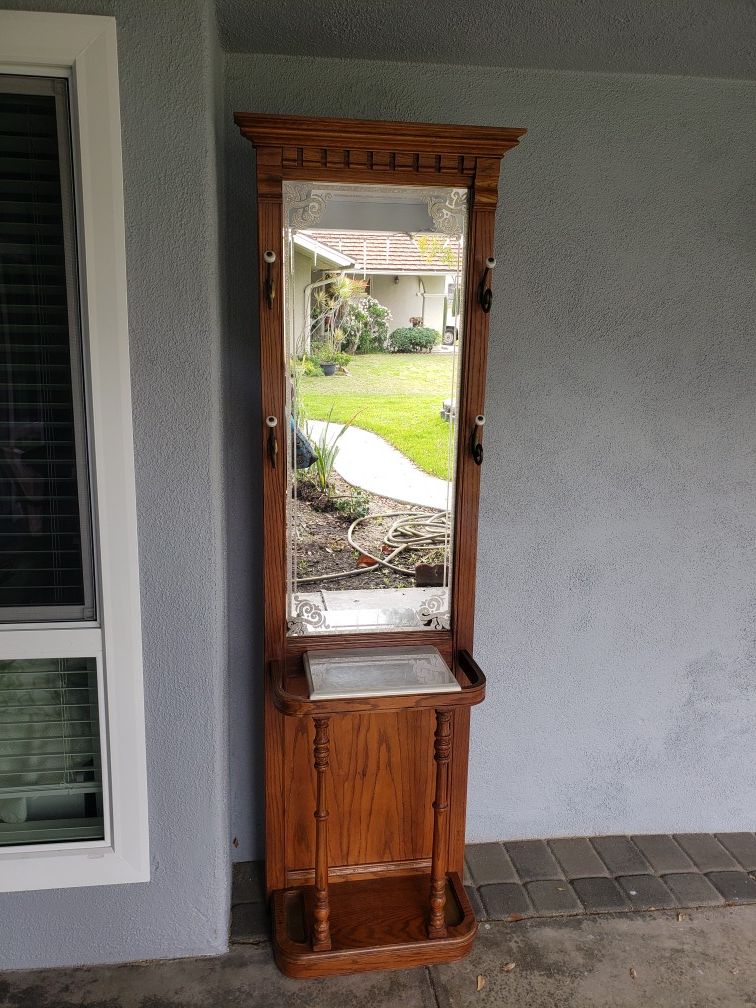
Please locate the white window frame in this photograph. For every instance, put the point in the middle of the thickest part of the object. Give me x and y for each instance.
(83, 49)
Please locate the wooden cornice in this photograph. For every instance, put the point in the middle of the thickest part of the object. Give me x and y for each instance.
(359, 134)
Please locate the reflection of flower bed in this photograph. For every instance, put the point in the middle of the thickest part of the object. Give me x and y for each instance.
(322, 545)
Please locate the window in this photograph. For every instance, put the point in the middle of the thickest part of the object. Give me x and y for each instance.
(50, 758)
(45, 536)
(72, 763)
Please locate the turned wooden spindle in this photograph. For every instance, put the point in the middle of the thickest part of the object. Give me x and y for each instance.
(321, 938)
(441, 754)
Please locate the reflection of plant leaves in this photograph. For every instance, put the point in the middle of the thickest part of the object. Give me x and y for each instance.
(436, 250)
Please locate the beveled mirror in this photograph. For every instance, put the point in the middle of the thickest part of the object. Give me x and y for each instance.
(374, 276)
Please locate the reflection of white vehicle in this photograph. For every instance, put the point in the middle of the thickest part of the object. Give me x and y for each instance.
(449, 410)
(451, 321)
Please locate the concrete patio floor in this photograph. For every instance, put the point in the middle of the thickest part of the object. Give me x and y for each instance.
(707, 959)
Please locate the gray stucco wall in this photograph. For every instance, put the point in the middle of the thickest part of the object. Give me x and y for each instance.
(171, 77)
(615, 616)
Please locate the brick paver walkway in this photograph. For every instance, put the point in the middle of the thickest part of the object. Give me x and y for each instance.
(571, 877)
(557, 878)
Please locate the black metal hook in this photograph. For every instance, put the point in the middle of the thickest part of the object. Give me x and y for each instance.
(271, 423)
(485, 294)
(270, 287)
(475, 445)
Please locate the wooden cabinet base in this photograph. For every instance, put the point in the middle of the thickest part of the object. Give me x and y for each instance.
(375, 924)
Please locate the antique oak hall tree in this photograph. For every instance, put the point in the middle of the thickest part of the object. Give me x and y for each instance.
(373, 237)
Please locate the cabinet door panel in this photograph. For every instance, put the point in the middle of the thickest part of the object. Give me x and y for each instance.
(379, 789)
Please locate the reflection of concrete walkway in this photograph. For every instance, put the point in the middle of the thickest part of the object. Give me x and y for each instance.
(366, 460)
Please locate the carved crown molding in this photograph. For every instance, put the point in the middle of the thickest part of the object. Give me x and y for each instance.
(365, 135)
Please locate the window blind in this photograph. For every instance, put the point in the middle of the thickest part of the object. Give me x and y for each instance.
(45, 533)
(50, 766)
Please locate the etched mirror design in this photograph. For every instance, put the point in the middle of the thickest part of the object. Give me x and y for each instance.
(374, 295)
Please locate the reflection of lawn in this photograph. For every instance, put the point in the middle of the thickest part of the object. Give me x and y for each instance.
(397, 396)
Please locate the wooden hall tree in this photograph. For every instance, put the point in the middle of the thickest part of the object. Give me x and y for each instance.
(366, 795)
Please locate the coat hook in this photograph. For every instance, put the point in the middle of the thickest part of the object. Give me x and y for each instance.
(485, 294)
(270, 287)
(271, 423)
(475, 446)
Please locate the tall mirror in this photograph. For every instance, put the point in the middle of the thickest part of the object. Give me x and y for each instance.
(374, 295)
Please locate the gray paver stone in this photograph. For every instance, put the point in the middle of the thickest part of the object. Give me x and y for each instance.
(735, 886)
(663, 853)
(249, 922)
(706, 852)
(600, 895)
(742, 846)
(533, 860)
(646, 892)
(489, 862)
(505, 900)
(577, 858)
(691, 890)
(476, 903)
(246, 884)
(621, 856)
(553, 898)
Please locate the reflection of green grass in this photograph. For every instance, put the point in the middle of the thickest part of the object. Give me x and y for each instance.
(397, 396)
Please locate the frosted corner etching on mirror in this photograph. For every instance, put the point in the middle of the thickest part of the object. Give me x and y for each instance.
(435, 613)
(449, 211)
(308, 616)
(302, 205)
(373, 302)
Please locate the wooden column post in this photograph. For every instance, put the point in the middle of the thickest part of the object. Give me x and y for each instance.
(441, 753)
(321, 939)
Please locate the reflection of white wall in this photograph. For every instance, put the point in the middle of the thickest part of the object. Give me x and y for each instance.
(404, 299)
(302, 277)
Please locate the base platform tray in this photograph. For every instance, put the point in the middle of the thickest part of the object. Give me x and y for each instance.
(376, 924)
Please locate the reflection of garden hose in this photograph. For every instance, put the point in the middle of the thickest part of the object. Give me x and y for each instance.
(409, 530)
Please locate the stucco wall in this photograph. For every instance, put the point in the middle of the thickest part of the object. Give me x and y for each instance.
(615, 611)
(170, 71)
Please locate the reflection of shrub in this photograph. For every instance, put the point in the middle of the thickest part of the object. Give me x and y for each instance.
(365, 326)
(311, 368)
(356, 505)
(413, 340)
(323, 353)
(326, 450)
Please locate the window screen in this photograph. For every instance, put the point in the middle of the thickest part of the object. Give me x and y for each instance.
(45, 529)
(50, 769)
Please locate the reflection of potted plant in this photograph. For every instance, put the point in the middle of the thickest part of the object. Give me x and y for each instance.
(327, 353)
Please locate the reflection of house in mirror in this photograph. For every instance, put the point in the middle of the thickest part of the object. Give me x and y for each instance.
(312, 262)
(411, 275)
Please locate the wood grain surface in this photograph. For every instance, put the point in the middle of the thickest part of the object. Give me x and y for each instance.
(376, 924)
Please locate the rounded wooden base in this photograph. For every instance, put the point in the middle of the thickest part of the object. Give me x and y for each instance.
(375, 924)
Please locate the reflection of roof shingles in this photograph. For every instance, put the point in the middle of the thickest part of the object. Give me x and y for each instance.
(386, 252)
